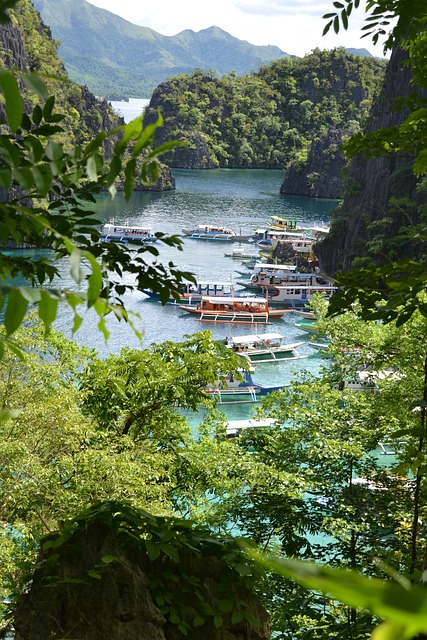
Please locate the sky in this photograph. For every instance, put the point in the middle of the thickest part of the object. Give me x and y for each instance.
(295, 26)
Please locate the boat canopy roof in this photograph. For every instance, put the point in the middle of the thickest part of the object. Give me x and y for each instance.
(309, 287)
(264, 266)
(287, 234)
(240, 300)
(214, 227)
(256, 338)
(212, 283)
(112, 225)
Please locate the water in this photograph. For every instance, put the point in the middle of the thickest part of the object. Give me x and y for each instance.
(243, 199)
(131, 109)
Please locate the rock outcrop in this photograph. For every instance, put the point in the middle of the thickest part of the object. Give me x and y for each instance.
(373, 182)
(320, 177)
(94, 587)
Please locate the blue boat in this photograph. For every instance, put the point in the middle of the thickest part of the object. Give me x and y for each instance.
(232, 390)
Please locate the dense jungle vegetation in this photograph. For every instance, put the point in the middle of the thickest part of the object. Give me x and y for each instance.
(266, 119)
(293, 489)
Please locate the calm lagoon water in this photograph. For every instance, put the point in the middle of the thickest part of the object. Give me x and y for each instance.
(244, 199)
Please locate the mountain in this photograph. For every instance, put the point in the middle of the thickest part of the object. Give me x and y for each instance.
(117, 59)
(360, 52)
(269, 118)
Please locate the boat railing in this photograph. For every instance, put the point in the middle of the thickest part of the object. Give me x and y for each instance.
(251, 391)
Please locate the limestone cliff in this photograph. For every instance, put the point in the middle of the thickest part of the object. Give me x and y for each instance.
(94, 586)
(26, 44)
(321, 176)
(374, 183)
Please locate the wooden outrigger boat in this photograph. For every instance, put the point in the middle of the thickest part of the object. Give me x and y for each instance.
(264, 347)
(243, 310)
(192, 293)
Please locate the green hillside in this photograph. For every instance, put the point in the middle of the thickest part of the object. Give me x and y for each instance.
(266, 119)
(116, 58)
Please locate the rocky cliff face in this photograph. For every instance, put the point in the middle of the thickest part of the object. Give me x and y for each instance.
(373, 182)
(76, 594)
(321, 176)
(26, 44)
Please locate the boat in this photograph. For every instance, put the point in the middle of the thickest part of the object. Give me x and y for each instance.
(192, 293)
(297, 294)
(233, 390)
(308, 326)
(244, 310)
(319, 346)
(264, 347)
(235, 427)
(215, 232)
(112, 232)
(241, 254)
(284, 275)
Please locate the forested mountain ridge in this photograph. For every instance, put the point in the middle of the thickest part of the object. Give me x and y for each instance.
(26, 44)
(116, 58)
(265, 119)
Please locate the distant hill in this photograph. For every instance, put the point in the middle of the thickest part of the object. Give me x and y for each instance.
(360, 52)
(116, 58)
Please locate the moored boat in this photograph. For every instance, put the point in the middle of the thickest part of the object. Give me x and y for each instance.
(243, 310)
(297, 294)
(235, 427)
(192, 293)
(264, 347)
(232, 390)
(215, 232)
(127, 233)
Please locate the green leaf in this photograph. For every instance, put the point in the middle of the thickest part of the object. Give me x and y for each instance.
(236, 617)
(336, 25)
(75, 266)
(218, 622)
(5, 178)
(153, 550)
(129, 178)
(48, 108)
(198, 621)
(14, 103)
(91, 169)
(36, 84)
(42, 179)
(37, 114)
(388, 631)
(15, 311)
(94, 281)
(48, 307)
(344, 19)
(386, 599)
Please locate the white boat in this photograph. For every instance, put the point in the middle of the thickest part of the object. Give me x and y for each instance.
(215, 232)
(297, 294)
(274, 277)
(193, 293)
(241, 254)
(235, 427)
(264, 347)
(127, 233)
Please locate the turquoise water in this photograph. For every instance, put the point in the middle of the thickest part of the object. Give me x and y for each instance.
(243, 199)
